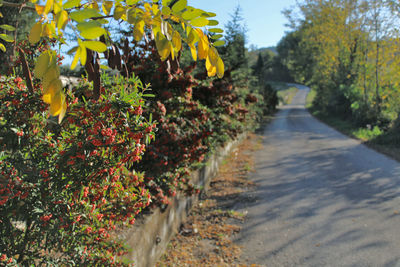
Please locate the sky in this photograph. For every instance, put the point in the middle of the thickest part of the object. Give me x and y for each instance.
(263, 18)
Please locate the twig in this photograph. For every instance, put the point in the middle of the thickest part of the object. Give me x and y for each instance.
(17, 5)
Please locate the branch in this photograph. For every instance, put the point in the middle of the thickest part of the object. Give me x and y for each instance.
(22, 5)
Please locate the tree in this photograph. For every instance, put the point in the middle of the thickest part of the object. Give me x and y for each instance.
(21, 20)
(348, 50)
(234, 51)
(258, 68)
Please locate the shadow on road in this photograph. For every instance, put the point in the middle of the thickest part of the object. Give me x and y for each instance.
(322, 199)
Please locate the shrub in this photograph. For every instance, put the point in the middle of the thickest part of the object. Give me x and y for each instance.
(65, 188)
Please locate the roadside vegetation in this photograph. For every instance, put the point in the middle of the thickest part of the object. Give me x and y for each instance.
(372, 137)
(286, 94)
(352, 66)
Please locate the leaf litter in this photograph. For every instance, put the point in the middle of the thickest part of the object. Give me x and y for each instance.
(205, 238)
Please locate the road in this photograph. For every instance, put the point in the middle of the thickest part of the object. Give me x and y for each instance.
(322, 199)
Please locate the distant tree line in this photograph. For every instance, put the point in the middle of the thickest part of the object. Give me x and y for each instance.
(348, 51)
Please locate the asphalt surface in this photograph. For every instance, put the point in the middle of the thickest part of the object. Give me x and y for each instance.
(322, 199)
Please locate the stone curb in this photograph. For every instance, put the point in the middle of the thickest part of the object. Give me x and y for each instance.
(150, 235)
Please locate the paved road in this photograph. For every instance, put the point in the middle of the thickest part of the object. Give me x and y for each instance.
(322, 198)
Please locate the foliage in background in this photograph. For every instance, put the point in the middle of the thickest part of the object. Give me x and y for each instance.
(348, 52)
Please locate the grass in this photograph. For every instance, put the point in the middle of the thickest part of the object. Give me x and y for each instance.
(385, 142)
(285, 92)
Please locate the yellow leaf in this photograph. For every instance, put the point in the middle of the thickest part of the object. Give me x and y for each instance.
(2, 47)
(83, 53)
(56, 104)
(177, 41)
(42, 64)
(163, 46)
(48, 7)
(62, 19)
(220, 68)
(211, 72)
(54, 88)
(48, 77)
(39, 9)
(138, 30)
(36, 31)
(193, 36)
(155, 9)
(208, 64)
(48, 29)
(193, 51)
(63, 109)
(106, 6)
(203, 47)
(147, 7)
(171, 48)
(211, 69)
(57, 7)
(213, 56)
(76, 58)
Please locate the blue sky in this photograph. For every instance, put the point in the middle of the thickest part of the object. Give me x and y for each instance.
(264, 20)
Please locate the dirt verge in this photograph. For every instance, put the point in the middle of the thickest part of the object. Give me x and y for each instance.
(205, 239)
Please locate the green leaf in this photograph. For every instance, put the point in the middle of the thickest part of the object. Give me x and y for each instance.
(6, 37)
(179, 6)
(72, 50)
(118, 11)
(219, 43)
(95, 46)
(216, 30)
(199, 22)
(191, 13)
(72, 4)
(166, 11)
(209, 14)
(212, 22)
(7, 27)
(216, 36)
(166, 2)
(87, 25)
(131, 2)
(2, 47)
(93, 33)
(35, 33)
(82, 15)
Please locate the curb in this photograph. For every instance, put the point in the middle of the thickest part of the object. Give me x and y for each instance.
(152, 232)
